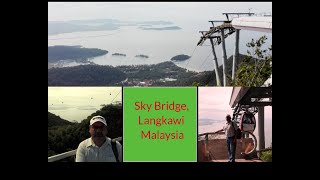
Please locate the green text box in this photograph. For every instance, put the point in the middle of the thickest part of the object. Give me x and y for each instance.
(171, 135)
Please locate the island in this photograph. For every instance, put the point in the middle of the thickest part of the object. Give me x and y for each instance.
(142, 56)
(118, 54)
(161, 28)
(180, 57)
(76, 53)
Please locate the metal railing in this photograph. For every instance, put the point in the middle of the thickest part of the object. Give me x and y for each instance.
(58, 157)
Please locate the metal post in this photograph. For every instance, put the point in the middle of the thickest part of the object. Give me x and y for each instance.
(224, 58)
(236, 54)
(206, 146)
(261, 143)
(215, 62)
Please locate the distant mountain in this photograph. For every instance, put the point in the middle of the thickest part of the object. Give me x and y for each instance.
(54, 120)
(59, 27)
(79, 26)
(180, 57)
(161, 28)
(56, 53)
(155, 22)
(95, 21)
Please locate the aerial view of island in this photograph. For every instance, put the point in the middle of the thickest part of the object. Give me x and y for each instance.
(58, 55)
(161, 28)
(142, 56)
(180, 57)
(118, 54)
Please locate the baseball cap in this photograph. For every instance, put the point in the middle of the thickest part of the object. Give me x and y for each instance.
(96, 119)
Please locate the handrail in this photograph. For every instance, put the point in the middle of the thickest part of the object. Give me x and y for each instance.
(57, 157)
(207, 133)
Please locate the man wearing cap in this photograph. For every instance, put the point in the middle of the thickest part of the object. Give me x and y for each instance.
(98, 147)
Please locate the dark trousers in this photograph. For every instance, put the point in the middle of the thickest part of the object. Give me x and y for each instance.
(231, 146)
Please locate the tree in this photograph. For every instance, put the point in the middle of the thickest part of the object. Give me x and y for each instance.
(256, 67)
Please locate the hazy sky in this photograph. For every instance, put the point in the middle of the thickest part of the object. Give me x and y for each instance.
(63, 11)
(214, 106)
(214, 102)
(77, 103)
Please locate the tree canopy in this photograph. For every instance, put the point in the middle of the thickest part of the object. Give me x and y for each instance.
(256, 67)
(85, 75)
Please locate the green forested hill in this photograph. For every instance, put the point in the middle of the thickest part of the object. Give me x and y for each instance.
(56, 53)
(54, 120)
(85, 75)
(180, 57)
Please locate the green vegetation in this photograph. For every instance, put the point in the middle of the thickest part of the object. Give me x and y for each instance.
(266, 156)
(155, 71)
(163, 70)
(56, 53)
(256, 67)
(54, 120)
(190, 78)
(253, 70)
(208, 78)
(85, 75)
(64, 138)
(180, 57)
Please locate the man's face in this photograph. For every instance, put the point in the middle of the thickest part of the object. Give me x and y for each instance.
(98, 130)
(228, 118)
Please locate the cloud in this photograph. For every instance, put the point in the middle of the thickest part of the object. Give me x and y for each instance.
(87, 108)
(58, 107)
